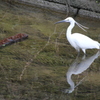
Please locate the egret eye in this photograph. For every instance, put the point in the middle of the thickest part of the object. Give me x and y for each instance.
(67, 20)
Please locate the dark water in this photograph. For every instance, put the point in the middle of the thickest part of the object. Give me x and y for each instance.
(45, 66)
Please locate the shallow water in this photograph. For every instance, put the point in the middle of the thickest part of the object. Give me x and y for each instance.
(45, 66)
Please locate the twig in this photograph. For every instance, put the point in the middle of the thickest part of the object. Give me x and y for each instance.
(56, 42)
(45, 44)
(28, 63)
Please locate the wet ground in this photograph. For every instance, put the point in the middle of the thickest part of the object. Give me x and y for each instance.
(44, 66)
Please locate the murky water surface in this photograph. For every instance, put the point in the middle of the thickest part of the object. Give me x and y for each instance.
(45, 66)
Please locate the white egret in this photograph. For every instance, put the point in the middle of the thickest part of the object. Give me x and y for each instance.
(77, 40)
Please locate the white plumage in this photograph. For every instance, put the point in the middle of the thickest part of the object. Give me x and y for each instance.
(77, 40)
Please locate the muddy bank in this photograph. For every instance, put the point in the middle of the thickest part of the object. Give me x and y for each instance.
(35, 69)
(83, 8)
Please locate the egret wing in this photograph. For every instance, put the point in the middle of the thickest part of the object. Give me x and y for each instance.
(84, 42)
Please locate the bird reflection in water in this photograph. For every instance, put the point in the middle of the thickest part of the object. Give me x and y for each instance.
(77, 68)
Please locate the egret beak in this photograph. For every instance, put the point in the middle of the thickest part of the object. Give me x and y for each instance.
(62, 21)
(81, 26)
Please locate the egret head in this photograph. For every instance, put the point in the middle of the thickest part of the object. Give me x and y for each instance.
(71, 20)
(68, 90)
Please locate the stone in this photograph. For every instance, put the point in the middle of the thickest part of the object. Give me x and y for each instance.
(88, 8)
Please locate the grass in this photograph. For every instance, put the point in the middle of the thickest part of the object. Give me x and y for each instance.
(35, 69)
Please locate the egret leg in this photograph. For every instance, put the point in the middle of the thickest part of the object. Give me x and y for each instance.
(84, 54)
(99, 49)
(84, 51)
(84, 57)
(78, 50)
(78, 54)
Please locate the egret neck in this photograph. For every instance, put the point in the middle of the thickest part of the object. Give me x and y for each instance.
(69, 31)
